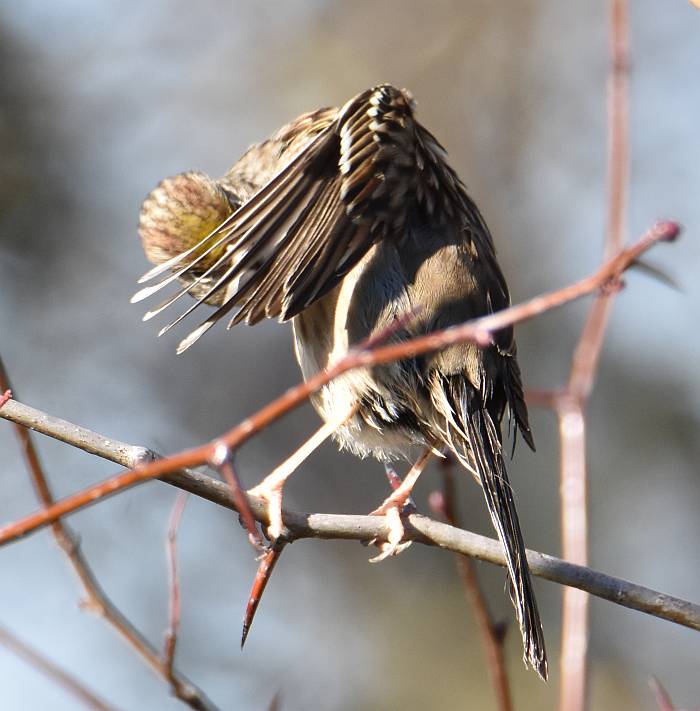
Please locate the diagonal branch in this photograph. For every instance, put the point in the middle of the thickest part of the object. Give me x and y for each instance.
(478, 331)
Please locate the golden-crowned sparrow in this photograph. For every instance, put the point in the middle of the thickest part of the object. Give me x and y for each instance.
(343, 221)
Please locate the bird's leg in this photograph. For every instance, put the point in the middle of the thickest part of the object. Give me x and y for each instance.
(393, 506)
(270, 488)
(395, 483)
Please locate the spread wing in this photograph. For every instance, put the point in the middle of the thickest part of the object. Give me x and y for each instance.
(353, 182)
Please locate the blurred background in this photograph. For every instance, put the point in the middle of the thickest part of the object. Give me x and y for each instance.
(99, 101)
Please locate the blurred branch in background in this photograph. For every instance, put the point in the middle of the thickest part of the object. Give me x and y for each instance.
(49, 669)
(492, 633)
(174, 599)
(570, 403)
(97, 600)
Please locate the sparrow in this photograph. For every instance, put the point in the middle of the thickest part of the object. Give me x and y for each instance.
(350, 223)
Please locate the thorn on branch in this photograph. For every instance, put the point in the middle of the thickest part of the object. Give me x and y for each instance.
(268, 561)
(222, 459)
(663, 700)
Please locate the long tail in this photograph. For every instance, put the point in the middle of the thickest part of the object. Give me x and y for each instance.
(475, 439)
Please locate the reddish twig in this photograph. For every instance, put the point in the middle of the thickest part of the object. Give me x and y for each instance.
(97, 600)
(478, 331)
(223, 461)
(174, 585)
(54, 672)
(492, 634)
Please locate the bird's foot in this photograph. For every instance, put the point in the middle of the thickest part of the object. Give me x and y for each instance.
(398, 503)
(270, 488)
(392, 509)
(270, 491)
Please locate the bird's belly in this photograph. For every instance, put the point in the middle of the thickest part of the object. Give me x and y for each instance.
(381, 424)
(385, 424)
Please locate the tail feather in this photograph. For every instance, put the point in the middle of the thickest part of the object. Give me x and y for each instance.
(481, 452)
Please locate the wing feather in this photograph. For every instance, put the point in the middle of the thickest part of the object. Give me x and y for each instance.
(354, 176)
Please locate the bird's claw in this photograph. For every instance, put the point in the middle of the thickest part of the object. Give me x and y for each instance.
(272, 496)
(392, 510)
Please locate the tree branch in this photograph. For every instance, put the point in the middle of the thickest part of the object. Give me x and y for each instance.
(364, 528)
(97, 600)
(571, 405)
(478, 331)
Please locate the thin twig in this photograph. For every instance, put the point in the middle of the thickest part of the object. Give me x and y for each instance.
(54, 672)
(571, 405)
(618, 125)
(223, 461)
(492, 634)
(97, 600)
(418, 528)
(174, 585)
(479, 331)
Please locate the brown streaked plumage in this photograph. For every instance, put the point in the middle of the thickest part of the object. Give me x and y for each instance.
(343, 221)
